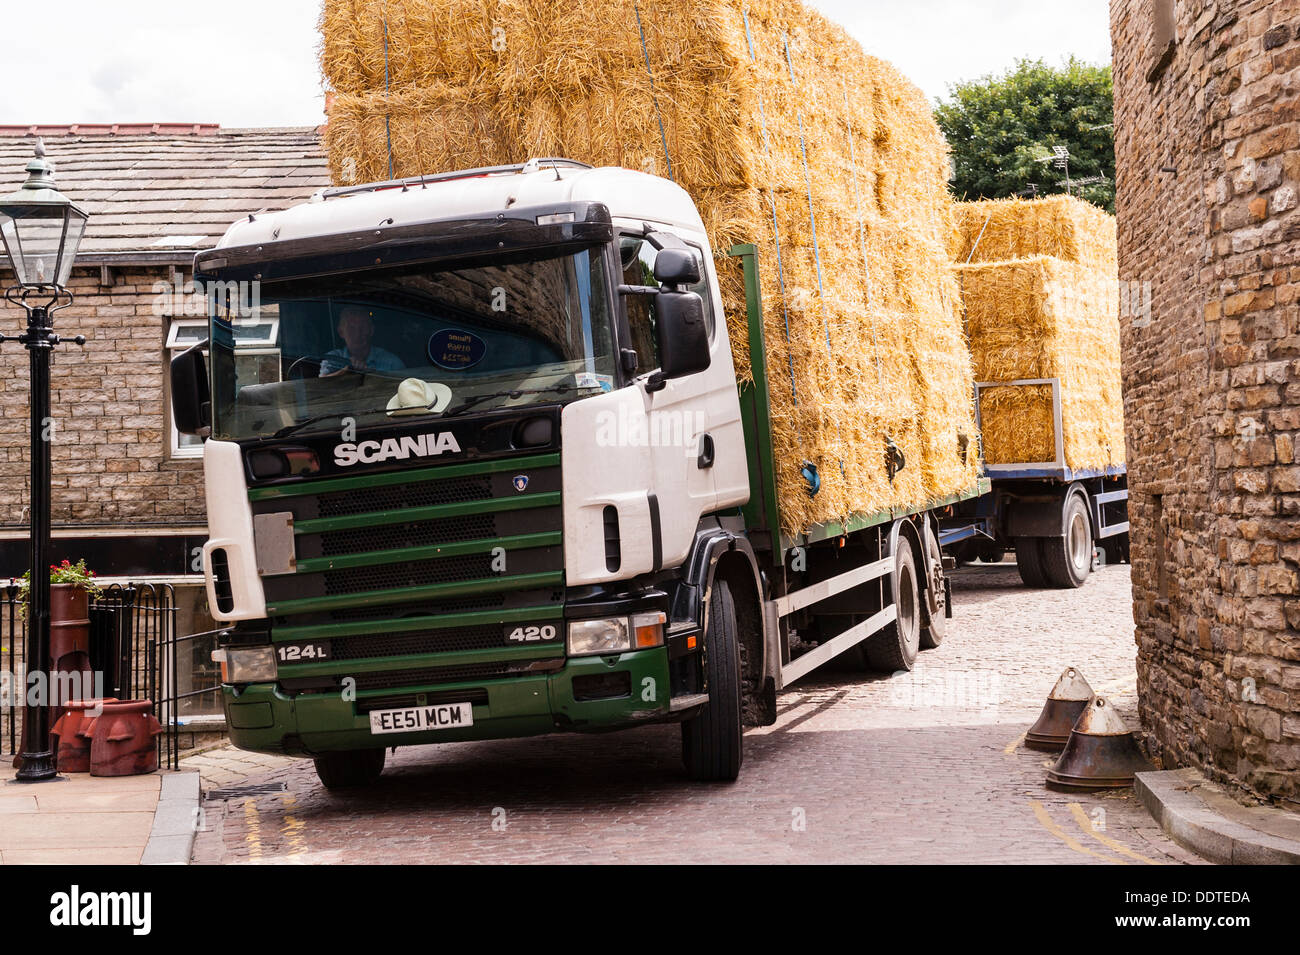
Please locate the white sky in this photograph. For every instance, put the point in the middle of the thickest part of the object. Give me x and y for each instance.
(253, 62)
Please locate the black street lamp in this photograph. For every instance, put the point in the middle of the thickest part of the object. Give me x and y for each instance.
(41, 230)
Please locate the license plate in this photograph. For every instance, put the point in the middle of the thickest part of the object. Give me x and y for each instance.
(416, 719)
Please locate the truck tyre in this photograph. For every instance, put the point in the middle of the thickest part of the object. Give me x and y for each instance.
(1029, 561)
(712, 742)
(1067, 560)
(895, 648)
(992, 553)
(936, 595)
(349, 769)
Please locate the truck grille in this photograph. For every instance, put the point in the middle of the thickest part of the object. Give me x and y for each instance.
(425, 534)
(410, 644)
(410, 565)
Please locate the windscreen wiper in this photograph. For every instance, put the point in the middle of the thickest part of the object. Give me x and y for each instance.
(461, 408)
(295, 428)
(476, 400)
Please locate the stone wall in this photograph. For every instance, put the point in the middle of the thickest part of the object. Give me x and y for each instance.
(1208, 142)
(112, 466)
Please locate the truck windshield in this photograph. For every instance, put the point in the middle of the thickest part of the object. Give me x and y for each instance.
(301, 355)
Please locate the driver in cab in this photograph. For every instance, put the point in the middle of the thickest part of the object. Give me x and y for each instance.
(357, 329)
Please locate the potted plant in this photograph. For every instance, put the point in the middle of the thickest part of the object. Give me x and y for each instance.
(71, 588)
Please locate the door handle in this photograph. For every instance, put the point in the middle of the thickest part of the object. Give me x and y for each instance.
(706, 452)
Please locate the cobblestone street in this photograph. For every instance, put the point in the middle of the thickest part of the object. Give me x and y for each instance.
(923, 768)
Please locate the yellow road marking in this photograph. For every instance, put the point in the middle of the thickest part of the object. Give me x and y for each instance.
(1085, 824)
(293, 828)
(253, 834)
(1011, 748)
(1050, 825)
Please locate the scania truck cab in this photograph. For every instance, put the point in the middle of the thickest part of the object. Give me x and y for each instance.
(477, 467)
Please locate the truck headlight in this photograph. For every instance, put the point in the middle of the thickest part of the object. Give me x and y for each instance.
(587, 637)
(247, 665)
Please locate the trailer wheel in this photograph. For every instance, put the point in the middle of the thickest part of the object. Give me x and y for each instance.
(1067, 560)
(936, 595)
(712, 742)
(895, 648)
(1029, 561)
(349, 769)
(992, 554)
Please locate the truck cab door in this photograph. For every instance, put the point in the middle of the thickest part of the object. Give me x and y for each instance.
(697, 446)
(642, 466)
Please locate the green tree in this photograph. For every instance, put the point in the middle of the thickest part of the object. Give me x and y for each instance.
(1005, 132)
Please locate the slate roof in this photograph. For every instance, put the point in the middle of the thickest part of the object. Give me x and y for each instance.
(158, 192)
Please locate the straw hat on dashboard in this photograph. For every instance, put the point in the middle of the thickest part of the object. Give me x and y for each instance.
(419, 397)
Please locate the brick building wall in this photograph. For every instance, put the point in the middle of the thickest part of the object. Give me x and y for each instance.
(155, 194)
(1208, 139)
(111, 460)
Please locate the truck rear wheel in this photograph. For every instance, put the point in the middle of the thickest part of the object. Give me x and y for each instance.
(895, 648)
(1029, 561)
(1067, 560)
(349, 769)
(712, 742)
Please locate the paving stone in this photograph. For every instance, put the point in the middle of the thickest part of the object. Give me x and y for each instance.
(859, 768)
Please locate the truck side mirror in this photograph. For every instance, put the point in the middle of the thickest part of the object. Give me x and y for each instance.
(677, 267)
(191, 396)
(682, 334)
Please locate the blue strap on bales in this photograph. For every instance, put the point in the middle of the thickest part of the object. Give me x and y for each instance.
(762, 113)
(776, 229)
(654, 95)
(812, 214)
(862, 232)
(785, 309)
(388, 130)
(812, 217)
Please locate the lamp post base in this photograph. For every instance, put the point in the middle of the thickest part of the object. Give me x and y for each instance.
(37, 768)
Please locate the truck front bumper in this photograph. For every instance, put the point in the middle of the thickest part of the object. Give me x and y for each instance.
(262, 718)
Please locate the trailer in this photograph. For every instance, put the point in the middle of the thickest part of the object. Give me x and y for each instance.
(435, 516)
(1060, 522)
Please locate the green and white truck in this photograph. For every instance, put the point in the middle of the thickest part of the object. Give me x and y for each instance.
(477, 467)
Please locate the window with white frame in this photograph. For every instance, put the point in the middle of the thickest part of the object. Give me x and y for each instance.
(257, 361)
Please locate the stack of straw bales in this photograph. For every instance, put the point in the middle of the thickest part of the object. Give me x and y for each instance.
(1041, 301)
(774, 120)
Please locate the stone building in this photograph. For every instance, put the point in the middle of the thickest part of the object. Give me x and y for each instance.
(127, 490)
(1207, 119)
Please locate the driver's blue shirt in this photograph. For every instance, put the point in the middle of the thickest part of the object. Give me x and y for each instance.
(377, 360)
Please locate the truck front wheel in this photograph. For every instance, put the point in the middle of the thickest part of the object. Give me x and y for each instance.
(350, 769)
(712, 741)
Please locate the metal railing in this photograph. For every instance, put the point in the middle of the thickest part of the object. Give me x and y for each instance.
(133, 647)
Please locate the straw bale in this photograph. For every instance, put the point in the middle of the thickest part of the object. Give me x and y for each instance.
(866, 348)
(1041, 317)
(1065, 227)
